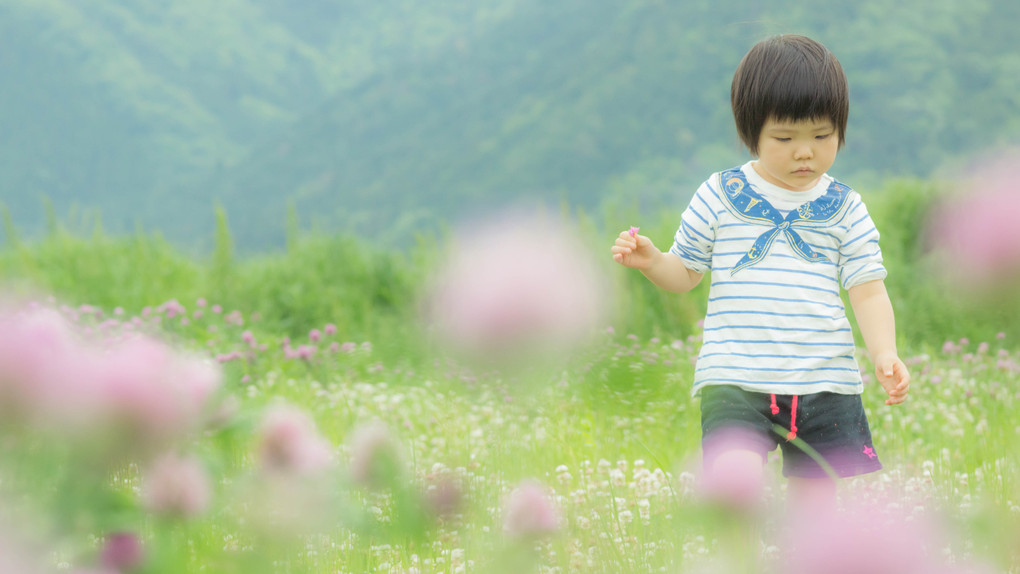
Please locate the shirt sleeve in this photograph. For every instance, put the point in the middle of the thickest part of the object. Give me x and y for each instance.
(860, 257)
(695, 239)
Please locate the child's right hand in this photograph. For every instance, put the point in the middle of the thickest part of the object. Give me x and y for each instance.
(634, 251)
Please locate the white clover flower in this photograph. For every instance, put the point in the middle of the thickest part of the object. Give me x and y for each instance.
(618, 478)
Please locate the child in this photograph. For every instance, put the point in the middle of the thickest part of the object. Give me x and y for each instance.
(780, 236)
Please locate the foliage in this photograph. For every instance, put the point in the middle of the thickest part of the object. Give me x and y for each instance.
(370, 292)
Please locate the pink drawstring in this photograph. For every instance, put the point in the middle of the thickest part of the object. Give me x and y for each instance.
(793, 420)
(793, 416)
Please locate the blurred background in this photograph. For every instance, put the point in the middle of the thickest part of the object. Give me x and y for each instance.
(387, 117)
(339, 143)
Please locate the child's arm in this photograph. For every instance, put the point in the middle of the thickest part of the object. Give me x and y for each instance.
(664, 269)
(874, 313)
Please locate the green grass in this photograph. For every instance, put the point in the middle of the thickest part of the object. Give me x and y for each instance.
(611, 431)
(624, 400)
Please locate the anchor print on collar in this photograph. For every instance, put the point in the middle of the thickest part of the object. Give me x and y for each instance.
(750, 207)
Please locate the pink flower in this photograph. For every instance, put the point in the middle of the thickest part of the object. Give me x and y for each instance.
(529, 513)
(153, 390)
(289, 443)
(730, 478)
(122, 552)
(866, 537)
(36, 346)
(515, 285)
(375, 456)
(330, 329)
(177, 486)
(172, 308)
(976, 230)
(444, 498)
(314, 335)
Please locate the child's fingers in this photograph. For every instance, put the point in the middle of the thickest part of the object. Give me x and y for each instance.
(897, 395)
(635, 239)
(622, 249)
(625, 246)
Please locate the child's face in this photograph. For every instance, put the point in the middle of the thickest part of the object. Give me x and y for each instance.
(794, 154)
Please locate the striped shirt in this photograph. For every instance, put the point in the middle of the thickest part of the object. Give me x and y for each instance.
(778, 258)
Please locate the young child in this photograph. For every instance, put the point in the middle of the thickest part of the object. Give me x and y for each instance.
(780, 237)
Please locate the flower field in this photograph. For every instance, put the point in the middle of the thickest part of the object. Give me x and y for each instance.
(493, 403)
(205, 443)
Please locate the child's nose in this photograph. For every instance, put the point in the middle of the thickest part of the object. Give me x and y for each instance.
(803, 152)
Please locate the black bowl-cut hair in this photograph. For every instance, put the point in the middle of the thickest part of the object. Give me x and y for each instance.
(788, 77)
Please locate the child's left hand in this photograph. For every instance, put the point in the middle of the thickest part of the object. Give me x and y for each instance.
(892, 373)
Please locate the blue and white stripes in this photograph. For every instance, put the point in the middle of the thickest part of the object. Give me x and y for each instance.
(778, 325)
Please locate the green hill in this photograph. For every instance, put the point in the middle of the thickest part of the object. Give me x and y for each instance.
(384, 117)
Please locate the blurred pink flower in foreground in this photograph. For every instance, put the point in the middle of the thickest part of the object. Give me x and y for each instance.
(176, 485)
(153, 389)
(516, 284)
(375, 455)
(733, 476)
(869, 537)
(122, 552)
(529, 512)
(35, 345)
(17, 557)
(289, 443)
(977, 229)
(137, 390)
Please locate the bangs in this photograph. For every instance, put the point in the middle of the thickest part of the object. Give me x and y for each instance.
(788, 78)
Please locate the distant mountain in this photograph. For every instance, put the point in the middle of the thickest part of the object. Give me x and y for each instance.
(385, 116)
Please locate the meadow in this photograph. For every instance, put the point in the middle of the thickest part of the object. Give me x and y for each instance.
(288, 412)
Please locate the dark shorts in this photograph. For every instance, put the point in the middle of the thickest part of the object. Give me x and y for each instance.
(832, 424)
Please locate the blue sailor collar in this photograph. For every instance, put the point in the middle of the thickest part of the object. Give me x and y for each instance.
(749, 206)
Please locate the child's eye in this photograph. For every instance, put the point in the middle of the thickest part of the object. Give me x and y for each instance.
(783, 139)
(822, 137)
